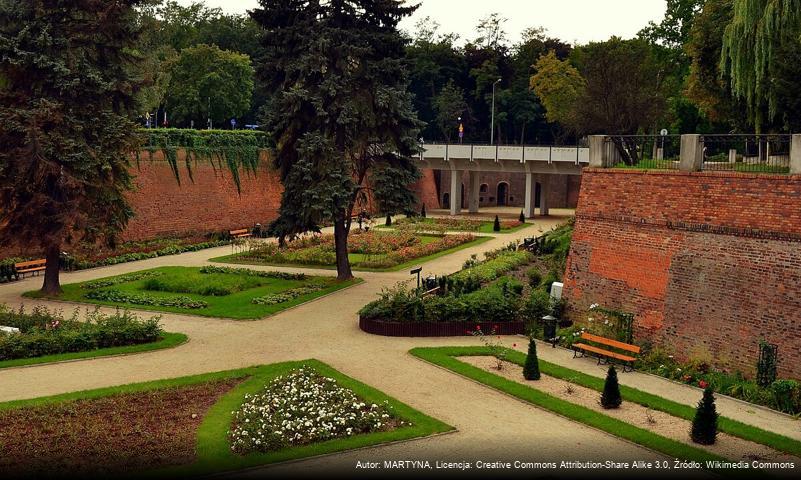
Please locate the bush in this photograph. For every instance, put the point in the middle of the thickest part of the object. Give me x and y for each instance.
(489, 270)
(45, 333)
(786, 395)
(496, 227)
(534, 277)
(522, 217)
(549, 280)
(423, 211)
(705, 424)
(119, 296)
(538, 305)
(610, 397)
(531, 370)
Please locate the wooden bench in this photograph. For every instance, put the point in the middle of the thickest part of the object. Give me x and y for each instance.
(33, 266)
(244, 233)
(604, 354)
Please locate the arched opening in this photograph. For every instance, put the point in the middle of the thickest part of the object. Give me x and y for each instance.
(503, 194)
(484, 188)
(446, 200)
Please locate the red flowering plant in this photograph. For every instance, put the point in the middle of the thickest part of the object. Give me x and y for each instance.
(493, 343)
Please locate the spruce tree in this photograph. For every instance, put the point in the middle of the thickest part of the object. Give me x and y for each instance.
(389, 220)
(610, 398)
(522, 217)
(423, 211)
(341, 114)
(531, 370)
(705, 423)
(68, 81)
(496, 227)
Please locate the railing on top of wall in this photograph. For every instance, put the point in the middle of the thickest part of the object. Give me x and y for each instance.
(774, 154)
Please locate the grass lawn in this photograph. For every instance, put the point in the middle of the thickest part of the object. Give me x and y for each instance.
(445, 357)
(212, 449)
(190, 284)
(355, 258)
(168, 340)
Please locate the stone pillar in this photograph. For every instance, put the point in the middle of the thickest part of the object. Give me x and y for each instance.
(456, 192)
(795, 155)
(692, 153)
(545, 190)
(473, 191)
(531, 189)
(598, 156)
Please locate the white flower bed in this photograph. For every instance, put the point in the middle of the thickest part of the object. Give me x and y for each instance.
(300, 408)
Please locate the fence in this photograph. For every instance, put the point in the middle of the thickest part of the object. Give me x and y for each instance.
(644, 151)
(747, 153)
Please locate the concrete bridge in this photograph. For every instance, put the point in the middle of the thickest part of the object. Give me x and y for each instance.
(531, 161)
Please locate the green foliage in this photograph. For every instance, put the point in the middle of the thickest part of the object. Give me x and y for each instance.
(559, 87)
(48, 333)
(71, 73)
(390, 186)
(538, 305)
(534, 277)
(496, 226)
(207, 82)
(72, 263)
(450, 106)
(209, 269)
(531, 370)
(767, 363)
(493, 268)
(705, 423)
(610, 397)
(522, 217)
(119, 296)
(287, 295)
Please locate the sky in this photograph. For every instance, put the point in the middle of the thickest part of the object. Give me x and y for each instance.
(573, 21)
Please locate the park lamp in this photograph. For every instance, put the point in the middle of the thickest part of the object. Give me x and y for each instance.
(417, 271)
(549, 329)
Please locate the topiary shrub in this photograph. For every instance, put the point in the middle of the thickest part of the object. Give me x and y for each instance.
(610, 398)
(705, 424)
(531, 370)
(423, 211)
(389, 220)
(534, 277)
(522, 217)
(496, 227)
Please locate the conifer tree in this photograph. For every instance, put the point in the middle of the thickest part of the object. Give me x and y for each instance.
(522, 217)
(423, 211)
(67, 100)
(610, 398)
(496, 227)
(531, 370)
(389, 220)
(705, 423)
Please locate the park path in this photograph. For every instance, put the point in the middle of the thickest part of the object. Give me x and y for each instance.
(490, 425)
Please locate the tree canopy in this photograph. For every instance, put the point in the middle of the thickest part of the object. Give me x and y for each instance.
(66, 126)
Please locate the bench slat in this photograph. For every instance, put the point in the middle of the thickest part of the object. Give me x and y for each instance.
(603, 352)
(32, 263)
(610, 342)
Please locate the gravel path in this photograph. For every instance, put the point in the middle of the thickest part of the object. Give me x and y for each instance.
(490, 425)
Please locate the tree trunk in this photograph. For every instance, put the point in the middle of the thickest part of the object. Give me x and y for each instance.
(52, 285)
(344, 271)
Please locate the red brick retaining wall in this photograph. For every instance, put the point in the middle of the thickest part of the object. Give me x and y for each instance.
(709, 262)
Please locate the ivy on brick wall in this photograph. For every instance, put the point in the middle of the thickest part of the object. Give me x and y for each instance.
(235, 150)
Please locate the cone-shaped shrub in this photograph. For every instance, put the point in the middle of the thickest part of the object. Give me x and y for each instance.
(522, 217)
(610, 398)
(389, 220)
(705, 423)
(423, 211)
(531, 370)
(497, 226)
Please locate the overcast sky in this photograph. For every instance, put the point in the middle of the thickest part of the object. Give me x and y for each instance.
(570, 20)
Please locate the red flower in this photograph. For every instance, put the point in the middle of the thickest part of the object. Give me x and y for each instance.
(514, 345)
(703, 384)
(687, 378)
(478, 327)
(467, 332)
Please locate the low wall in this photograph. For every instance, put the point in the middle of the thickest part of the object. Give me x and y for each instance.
(710, 263)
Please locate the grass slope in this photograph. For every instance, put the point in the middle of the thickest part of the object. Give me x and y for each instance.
(236, 306)
(168, 340)
(213, 447)
(445, 357)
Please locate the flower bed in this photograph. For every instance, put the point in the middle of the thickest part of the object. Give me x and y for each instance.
(304, 407)
(117, 296)
(46, 333)
(495, 267)
(133, 251)
(442, 225)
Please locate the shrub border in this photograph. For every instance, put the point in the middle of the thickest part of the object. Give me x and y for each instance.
(445, 357)
(479, 239)
(436, 329)
(168, 340)
(212, 445)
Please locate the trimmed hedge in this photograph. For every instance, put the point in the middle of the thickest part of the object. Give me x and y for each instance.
(494, 268)
(45, 333)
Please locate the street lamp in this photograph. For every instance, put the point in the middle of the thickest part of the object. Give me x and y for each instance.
(492, 123)
(461, 130)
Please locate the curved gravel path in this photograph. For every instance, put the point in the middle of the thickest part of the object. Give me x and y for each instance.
(490, 425)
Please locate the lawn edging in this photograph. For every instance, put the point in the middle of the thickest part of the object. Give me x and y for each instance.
(445, 357)
(168, 340)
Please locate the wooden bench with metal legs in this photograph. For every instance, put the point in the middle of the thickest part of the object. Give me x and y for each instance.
(606, 355)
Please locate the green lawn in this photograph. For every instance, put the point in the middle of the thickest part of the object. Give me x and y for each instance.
(189, 282)
(355, 258)
(446, 357)
(168, 340)
(213, 447)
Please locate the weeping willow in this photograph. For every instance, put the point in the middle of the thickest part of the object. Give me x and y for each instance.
(237, 151)
(750, 43)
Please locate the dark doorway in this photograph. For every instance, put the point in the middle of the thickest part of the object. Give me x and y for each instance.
(503, 194)
(537, 195)
(446, 200)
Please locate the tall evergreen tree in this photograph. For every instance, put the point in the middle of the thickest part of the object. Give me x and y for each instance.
(705, 422)
(66, 132)
(531, 370)
(341, 107)
(610, 397)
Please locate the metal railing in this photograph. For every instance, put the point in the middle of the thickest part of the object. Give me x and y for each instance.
(747, 153)
(661, 152)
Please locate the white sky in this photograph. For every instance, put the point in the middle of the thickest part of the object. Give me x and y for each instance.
(570, 20)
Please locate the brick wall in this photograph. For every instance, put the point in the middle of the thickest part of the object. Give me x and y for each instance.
(426, 189)
(708, 262)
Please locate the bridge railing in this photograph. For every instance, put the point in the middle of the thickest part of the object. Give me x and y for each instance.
(522, 153)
